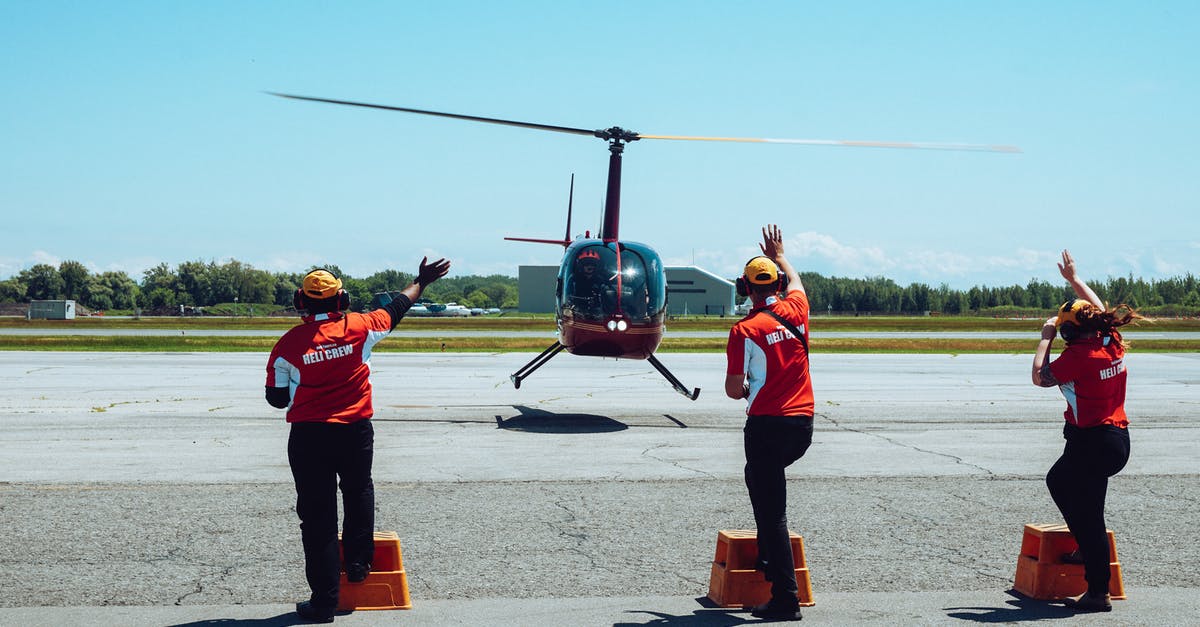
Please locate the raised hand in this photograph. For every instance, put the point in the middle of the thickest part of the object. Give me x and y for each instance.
(1067, 267)
(772, 245)
(430, 272)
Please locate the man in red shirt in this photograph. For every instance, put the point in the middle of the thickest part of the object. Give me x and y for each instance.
(767, 364)
(319, 370)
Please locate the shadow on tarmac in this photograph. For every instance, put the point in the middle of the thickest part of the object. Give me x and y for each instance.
(710, 616)
(287, 619)
(533, 420)
(1021, 608)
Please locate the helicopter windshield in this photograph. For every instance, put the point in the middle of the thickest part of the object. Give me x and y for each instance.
(604, 280)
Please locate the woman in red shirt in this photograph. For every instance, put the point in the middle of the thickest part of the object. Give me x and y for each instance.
(1090, 372)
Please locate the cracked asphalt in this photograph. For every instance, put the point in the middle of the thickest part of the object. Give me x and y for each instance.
(160, 480)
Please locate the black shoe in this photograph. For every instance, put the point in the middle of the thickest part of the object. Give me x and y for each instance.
(311, 614)
(1089, 602)
(776, 611)
(1074, 557)
(356, 572)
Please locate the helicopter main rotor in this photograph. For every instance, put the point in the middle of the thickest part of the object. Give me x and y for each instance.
(619, 135)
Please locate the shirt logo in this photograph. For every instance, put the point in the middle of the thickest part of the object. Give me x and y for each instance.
(1117, 368)
(779, 336)
(335, 352)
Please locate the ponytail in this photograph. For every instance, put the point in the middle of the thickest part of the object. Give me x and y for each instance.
(1105, 323)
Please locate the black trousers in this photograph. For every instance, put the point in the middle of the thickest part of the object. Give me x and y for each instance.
(772, 444)
(1078, 483)
(320, 454)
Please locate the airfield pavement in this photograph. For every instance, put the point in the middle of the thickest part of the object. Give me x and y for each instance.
(153, 489)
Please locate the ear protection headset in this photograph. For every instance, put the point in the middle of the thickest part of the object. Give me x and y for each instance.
(1068, 330)
(300, 299)
(743, 286)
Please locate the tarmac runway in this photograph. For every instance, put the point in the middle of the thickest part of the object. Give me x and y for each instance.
(153, 489)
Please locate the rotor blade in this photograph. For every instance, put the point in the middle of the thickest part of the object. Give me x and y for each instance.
(841, 142)
(457, 116)
(564, 243)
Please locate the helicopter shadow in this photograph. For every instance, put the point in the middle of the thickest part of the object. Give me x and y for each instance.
(532, 420)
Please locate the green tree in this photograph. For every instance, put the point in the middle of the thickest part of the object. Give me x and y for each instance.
(111, 290)
(161, 286)
(478, 298)
(74, 276)
(13, 291)
(42, 281)
(285, 288)
(196, 283)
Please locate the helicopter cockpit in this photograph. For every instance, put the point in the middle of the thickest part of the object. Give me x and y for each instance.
(606, 280)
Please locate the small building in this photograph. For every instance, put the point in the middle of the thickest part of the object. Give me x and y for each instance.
(690, 290)
(535, 289)
(52, 310)
(695, 291)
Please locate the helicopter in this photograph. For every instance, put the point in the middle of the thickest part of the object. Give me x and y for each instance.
(611, 294)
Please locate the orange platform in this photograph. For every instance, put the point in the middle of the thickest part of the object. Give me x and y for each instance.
(1041, 574)
(386, 587)
(733, 581)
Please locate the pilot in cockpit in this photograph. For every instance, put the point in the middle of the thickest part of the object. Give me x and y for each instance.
(587, 282)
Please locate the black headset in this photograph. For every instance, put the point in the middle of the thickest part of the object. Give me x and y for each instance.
(300, 299)
(743, 286)
(1069, 331)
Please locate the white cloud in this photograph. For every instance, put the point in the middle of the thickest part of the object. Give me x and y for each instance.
(41, 256)
(1162, 267)
(868, 260)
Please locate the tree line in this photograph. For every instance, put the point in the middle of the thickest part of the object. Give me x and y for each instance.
(1172, 296)
(207, 283)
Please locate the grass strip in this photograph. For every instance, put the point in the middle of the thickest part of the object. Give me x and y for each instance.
(546, 322)
(185, 344)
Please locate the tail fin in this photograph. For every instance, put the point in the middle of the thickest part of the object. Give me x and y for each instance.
(566, 240)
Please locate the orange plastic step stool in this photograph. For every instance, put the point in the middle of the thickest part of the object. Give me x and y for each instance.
(386, 587)
(1040, 574)
(734, 582)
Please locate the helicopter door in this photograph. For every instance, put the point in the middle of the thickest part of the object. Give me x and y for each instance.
(642, 284)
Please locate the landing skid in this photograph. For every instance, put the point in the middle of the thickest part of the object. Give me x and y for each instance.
(679, 387)
(537, 362)
(557, 347)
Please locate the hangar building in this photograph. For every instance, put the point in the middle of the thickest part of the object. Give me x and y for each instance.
(690, 290)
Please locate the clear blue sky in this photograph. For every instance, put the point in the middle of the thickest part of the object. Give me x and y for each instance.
(133, 133)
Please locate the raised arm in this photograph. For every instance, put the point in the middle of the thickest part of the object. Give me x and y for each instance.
(1067, 270)
(772, 248)
(426, 274)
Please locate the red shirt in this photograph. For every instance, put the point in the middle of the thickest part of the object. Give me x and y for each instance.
(773, 360)
(1091, 375)
(326, 363)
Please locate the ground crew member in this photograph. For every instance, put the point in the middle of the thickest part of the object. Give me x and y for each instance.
(767, 364)
(319, 370)
(1090, 372)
